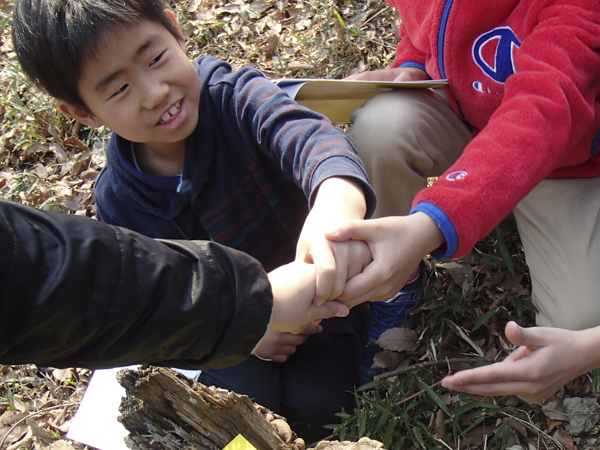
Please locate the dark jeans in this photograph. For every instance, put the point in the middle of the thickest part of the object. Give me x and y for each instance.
(311, 386)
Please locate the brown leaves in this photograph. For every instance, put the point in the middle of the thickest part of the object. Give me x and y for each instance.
(564, 439)
(292, 38)
(38, 406)
(399, 340)
(386, 360)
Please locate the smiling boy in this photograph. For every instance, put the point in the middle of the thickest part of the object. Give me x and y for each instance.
(147, 90)
(201, 152)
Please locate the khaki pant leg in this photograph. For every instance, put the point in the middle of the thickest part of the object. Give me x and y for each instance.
(403, 138)
(559, 225)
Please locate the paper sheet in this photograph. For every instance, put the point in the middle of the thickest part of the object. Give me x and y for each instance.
(95, 423)
(336, 99)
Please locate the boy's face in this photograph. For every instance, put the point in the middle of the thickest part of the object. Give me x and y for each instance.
(142, 86)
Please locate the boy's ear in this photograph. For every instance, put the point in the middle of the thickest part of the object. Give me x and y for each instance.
(78, 114)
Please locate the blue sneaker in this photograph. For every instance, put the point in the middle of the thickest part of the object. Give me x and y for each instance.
(387, 314)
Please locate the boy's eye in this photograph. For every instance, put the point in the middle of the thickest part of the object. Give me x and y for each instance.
(120, 90)
(157, 59)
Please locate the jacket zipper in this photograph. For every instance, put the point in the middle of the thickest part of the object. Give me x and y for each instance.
(442, 37)
(441, 41)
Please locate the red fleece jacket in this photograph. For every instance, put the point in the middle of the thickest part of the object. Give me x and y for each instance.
(526, 76)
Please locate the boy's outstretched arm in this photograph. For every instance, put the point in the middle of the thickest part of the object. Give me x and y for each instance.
(546, 360)
(293, 287)
(397, 245)
(337, 200)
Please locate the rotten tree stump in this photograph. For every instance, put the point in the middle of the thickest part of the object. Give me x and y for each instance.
(163, 409)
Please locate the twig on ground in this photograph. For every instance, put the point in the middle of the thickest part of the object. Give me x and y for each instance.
(33, 414)
(404, 370)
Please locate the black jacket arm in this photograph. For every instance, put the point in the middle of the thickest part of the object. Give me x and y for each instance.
(75, 292)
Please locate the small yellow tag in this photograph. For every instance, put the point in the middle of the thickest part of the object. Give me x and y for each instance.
(240, 443)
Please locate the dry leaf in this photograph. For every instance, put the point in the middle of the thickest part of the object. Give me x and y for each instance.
(24, 442)
(458, 272)
(16, 434)
(478, 435)
(10, 417)
(555, 411)
(271, 46)
(44, 435)
(510, 282)
(81, 164)
(61, 374)
(518, 426)
(579, 387)
(255, 9)
(74, 143)
(61, 445)
(386, 360)
(440, 428)
(399, 340)
(194, 5)
(552, 424)
(463, 334)
(564, 438)
(446, 398)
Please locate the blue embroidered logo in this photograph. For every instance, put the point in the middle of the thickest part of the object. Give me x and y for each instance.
(494, 52)
(457, 175)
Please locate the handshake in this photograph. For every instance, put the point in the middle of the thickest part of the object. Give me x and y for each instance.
(294, 289)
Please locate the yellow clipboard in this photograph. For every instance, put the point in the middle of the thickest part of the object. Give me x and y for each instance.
(336, 99)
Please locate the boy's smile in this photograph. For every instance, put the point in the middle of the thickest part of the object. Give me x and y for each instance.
(142, 86)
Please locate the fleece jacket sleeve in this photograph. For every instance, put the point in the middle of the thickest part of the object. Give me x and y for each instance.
(407, 55)
(544, 126)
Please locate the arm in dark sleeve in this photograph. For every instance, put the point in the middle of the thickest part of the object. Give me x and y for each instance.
(75, 292)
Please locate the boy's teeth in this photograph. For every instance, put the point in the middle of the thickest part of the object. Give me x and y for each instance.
(169, 115)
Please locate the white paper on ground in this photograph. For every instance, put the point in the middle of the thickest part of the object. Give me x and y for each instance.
(95, 423)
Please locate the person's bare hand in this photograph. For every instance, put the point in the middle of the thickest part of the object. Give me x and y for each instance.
(397, 246)
(337, 262)
(546, 360)
(293, 287)
(277, 347)
(337, 200)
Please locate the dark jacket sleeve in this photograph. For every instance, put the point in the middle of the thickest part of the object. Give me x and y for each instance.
(75, 292)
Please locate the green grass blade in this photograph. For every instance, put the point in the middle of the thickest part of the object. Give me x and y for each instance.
(436, 398)
(505, 253)
(483, 319)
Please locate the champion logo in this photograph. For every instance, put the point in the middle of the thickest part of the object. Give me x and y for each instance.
(494, 53)
(457, 175)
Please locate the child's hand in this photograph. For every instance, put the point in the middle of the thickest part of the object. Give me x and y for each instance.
(396, 74)
(337, 200)
(277, 346)
(547, 359)
(293, 288)
(397, 245)
(347, 260)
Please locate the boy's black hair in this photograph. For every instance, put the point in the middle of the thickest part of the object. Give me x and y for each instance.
(54, 39)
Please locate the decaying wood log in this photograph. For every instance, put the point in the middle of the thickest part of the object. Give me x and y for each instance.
(363, 444)
(165, 410)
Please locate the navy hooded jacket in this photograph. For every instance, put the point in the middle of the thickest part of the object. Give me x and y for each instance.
(251, 166)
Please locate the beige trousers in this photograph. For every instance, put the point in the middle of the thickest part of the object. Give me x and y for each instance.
(406, 136)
